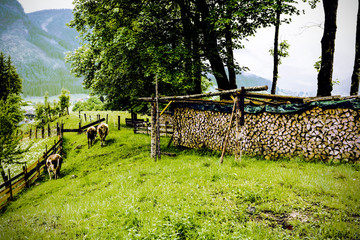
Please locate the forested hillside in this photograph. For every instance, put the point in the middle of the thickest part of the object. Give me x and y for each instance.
(37, 43)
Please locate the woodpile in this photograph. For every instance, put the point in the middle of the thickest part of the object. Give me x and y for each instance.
(315, 134)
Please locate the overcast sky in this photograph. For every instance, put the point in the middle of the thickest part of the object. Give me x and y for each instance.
(303, 34)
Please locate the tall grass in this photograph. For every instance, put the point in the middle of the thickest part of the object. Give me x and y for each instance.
(119, 192)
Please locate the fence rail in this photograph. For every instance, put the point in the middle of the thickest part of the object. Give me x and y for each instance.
(145, 128)
(29, 174)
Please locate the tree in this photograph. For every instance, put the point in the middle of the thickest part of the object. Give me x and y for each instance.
(10, 82)
(282, 51)
(10, 113)
(280, 7)
(354, 90)
(327, 48)
(127, 43)
(64, 101)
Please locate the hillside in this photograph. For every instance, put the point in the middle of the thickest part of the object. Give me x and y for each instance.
(37, 43)
(119, 192)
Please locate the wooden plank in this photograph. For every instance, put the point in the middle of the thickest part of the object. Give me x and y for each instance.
(275, 97)
(91, 124)
(260, 88)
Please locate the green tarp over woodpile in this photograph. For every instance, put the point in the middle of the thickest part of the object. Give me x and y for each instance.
(285, 108)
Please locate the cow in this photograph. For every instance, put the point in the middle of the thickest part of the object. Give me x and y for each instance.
(103, 131)
(91, 135)
(53, 164)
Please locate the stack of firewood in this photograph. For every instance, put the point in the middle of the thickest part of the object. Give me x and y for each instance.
(315, 134)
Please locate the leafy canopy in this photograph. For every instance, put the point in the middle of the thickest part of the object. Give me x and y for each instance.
(127, 43)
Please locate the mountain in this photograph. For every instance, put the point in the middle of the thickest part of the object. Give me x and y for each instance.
(37, 43)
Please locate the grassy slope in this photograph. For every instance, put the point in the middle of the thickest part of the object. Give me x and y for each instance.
(120, 193)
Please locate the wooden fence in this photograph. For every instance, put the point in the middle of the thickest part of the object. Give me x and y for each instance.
(145, 128)
(29, 174)
(81, 128)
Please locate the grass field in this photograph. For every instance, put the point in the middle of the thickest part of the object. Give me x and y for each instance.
(119, 192)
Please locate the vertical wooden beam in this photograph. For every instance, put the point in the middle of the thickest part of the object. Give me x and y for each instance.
(158, 150)
(119, 122)
(153, 130)
(242, 106)
(10, 186)
(227, 134)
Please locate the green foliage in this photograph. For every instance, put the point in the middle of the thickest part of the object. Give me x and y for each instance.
(283, 50)
(317, 65)
(92, 104)
(46, 112)
(10, 116)
(10, 82)
(64, 101)
(126, 45)
(10, 112)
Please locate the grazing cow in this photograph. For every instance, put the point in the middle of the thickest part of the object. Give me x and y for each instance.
(91, 135)
(103, 131)
(53, 164)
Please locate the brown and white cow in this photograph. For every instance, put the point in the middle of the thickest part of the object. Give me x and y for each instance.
(91, 135)
(103, 131)
(53, 164)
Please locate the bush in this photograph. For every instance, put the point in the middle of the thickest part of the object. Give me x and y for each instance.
(92, 104)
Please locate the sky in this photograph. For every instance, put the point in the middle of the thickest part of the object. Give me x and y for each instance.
(297, 72)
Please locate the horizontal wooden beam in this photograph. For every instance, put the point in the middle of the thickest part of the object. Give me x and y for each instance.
(275, 97)
(232, 91)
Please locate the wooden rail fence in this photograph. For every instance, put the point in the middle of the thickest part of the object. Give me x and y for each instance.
(29, 174)
(145, 128)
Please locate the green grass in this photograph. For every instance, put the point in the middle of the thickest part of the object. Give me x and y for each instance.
(119, 192)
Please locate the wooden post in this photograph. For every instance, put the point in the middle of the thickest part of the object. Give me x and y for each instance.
(57, 129)
(43, 131)
(61, 130)
(153, 130)
(89, 118)
(49, 130)
(25, 176)
(35, 132)
(30, 132)
(79, 114)
(240, 104)
(45, 148)
(158, 150)
(79, 127)
(118, 122)
(85, 116)
(107, 118)
(227, 135)
(166, 128)
(9, 184)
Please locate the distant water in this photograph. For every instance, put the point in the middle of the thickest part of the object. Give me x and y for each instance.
(73, 98)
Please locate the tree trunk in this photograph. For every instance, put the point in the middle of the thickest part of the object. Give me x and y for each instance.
(327, 48)
(211, 46)
(192, 61)
(354, 90)
(3, 173)
(230, 57)
(276, 47)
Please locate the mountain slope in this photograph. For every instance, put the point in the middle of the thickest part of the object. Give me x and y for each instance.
(37, 44)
